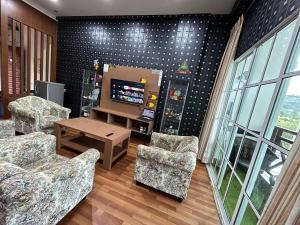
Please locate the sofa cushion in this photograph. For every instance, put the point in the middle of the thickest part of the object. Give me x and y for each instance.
(46, 163)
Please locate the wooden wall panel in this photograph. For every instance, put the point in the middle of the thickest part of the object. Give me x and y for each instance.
(35, 53)
(4, 62)
(14, 61)
(53, 58)
(27, 16)
(129, 74)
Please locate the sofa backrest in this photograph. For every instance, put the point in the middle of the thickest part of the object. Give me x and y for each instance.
(35, 104)
(174, 143)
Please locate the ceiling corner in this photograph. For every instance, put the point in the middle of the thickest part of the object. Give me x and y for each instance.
(41, 9)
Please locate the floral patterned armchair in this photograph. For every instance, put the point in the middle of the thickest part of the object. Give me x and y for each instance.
(32, 113)
(37, 186)
(168, 163)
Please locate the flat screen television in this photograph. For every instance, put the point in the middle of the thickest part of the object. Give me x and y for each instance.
(127, 91)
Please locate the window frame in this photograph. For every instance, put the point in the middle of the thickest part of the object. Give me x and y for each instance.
(261, 136)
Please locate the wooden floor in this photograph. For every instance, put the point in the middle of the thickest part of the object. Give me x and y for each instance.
(116, 199)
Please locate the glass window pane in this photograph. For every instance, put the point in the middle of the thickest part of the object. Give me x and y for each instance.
(260, 61)
(236, 104)
(224, 179)
(246, 106)
(294, 63)
(246, 70)
(222, 105)
(230, 104)
(225, 133)
(279, 50)
(245, 156)
(232, 196)
(229, 76)
(261, 107)
(235, 143)
(217, 160)
(246, 215)
(238, 74)
(265, 172)
(285, 120)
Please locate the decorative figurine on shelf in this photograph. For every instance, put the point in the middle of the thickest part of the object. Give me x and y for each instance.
(153, 97)
(143, 80)
(142, 129)
(175, 95)
(152, 100)
(150, 105)
(183, 68)
(96, 64)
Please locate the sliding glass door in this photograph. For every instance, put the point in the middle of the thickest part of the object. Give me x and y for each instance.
(258, 123)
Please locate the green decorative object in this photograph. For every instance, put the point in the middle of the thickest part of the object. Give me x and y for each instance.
(184, 68)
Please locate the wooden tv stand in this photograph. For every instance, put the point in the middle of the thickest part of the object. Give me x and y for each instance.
(130, 121)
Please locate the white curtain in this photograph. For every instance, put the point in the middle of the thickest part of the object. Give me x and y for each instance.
(209, 127)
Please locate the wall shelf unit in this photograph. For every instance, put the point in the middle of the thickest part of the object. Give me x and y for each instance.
(127, 120)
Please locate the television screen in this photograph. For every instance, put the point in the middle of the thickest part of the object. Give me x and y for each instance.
(127, 91)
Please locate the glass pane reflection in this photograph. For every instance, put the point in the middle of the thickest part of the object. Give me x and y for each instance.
(245, 155)
(285, 121)
(279, 50)
(294, 64)
(265, 172)
(246, 215)
(232, 196)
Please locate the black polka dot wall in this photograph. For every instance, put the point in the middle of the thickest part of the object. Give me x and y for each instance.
(261, 18)
(156, 42)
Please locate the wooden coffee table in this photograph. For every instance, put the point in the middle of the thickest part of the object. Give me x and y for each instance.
(109, 139)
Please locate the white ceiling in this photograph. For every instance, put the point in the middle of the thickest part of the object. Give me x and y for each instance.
(55, 8)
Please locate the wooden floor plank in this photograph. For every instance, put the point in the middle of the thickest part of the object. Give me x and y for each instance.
(117, 200)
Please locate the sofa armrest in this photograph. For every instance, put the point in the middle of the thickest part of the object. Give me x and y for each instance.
(185, 161)
(188, 144)
(25, 149)
(84, 163)
(7, 128)
(59, 111)
(16, 110)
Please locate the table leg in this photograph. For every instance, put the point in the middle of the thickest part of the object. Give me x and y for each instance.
(125, 144)
(108, 153)
(57, 133)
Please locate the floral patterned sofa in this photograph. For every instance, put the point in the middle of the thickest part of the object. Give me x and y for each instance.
(168, 163)
(7, 128)
(32, 113)
(37, 186)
